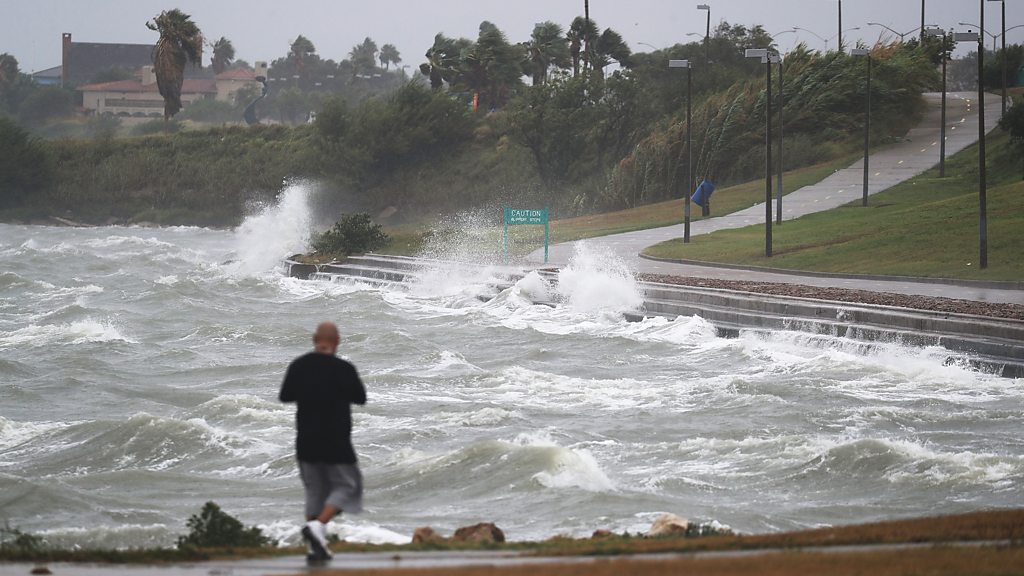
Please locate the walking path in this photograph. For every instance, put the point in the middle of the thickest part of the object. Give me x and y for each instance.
(889, 166)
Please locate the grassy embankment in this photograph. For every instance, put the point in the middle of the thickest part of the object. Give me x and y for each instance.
(408, 239)
(927, 226)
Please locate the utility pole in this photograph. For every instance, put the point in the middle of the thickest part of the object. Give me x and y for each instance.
(982, 199)
(840, 25)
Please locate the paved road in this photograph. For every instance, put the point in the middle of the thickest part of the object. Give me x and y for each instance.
(454, 559)
(888, 166)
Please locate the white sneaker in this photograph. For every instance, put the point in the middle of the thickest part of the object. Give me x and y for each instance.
(315, 534)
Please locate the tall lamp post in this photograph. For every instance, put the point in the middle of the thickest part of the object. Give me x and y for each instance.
(922, 20)
(982, 186)
(867, 120)
(939, 33)
(840, 33)
(782, 124)
(994, 37)
(1003, 53)
(689, 149)
(766, 59)
(822, 38)
(707, 34)
(902, 35)
(840, 46)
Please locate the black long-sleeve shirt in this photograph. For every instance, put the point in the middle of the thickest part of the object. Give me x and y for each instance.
(324, 387)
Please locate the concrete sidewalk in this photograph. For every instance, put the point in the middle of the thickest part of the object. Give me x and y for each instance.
(889, 166)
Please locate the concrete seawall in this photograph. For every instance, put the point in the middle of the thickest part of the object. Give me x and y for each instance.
(987, 344)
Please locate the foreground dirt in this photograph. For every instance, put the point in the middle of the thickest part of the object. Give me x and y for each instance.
(951, 305)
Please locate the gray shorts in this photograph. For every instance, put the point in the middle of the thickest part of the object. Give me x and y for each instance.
(340, 485)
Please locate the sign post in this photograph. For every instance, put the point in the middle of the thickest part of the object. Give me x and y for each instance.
(515, 217)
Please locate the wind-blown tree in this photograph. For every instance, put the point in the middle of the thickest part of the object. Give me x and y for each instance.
(8, 70)
(581, 36)
(611, 46)
(491, 67)
(301, 52)
(363, 57)
(389, 55)
(443, 60)
(546, 48)
(223, 54)
(180, 42)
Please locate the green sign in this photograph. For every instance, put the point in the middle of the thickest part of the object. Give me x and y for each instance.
(513, 216)
(516, 217)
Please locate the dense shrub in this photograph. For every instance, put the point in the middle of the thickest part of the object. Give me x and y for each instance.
(353, 234)
(411, 126)
(25, 166)
(214, 528)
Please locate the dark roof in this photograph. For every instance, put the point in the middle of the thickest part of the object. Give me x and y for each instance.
(48, 73)
(87, 59)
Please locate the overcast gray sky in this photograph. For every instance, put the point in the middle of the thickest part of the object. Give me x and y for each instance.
(263, 29)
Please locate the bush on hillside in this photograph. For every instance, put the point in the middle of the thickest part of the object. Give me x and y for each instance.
(353, 234)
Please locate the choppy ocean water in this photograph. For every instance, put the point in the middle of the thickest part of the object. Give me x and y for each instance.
(139, 370)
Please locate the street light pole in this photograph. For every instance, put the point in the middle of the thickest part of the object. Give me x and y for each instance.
(922, 20)
(689, 149)
(762, 53)
(707, 34)
(902, 35)
(982, 200)
(1003, 53)
(867, 121)
(840, 46)
(782, 123)
(782, 105)
(942, 132)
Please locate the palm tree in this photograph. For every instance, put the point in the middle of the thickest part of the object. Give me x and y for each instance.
(223, 54)
(611, 46)
(302, 49)
(443, 60)
(363, 57)
(547, 47)
(389, 55)
(581, 36)
(180, 42)
(491, 67)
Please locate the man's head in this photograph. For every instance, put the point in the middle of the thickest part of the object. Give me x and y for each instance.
(325, 339)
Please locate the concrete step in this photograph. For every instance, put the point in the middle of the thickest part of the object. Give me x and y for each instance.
(988, 344)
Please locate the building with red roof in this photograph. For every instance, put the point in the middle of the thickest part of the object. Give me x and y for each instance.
(140, 97)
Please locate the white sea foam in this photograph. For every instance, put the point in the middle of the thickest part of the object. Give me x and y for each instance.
(488, 416)
(15, 433)
(566, 467)
(80, 332)
(275, 232)
(598, 281)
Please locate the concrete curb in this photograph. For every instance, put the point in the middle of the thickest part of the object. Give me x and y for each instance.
(993, 284)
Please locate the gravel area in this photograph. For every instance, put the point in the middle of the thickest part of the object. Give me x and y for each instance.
(952, 305)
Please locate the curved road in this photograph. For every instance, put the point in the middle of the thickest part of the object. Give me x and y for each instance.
(889, 166)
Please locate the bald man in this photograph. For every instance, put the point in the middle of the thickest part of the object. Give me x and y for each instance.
(325, 387)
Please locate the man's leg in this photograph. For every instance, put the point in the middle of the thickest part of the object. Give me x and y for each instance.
(327, 514)
(317, 484)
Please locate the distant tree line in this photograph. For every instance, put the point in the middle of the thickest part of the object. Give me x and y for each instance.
(569, 118)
